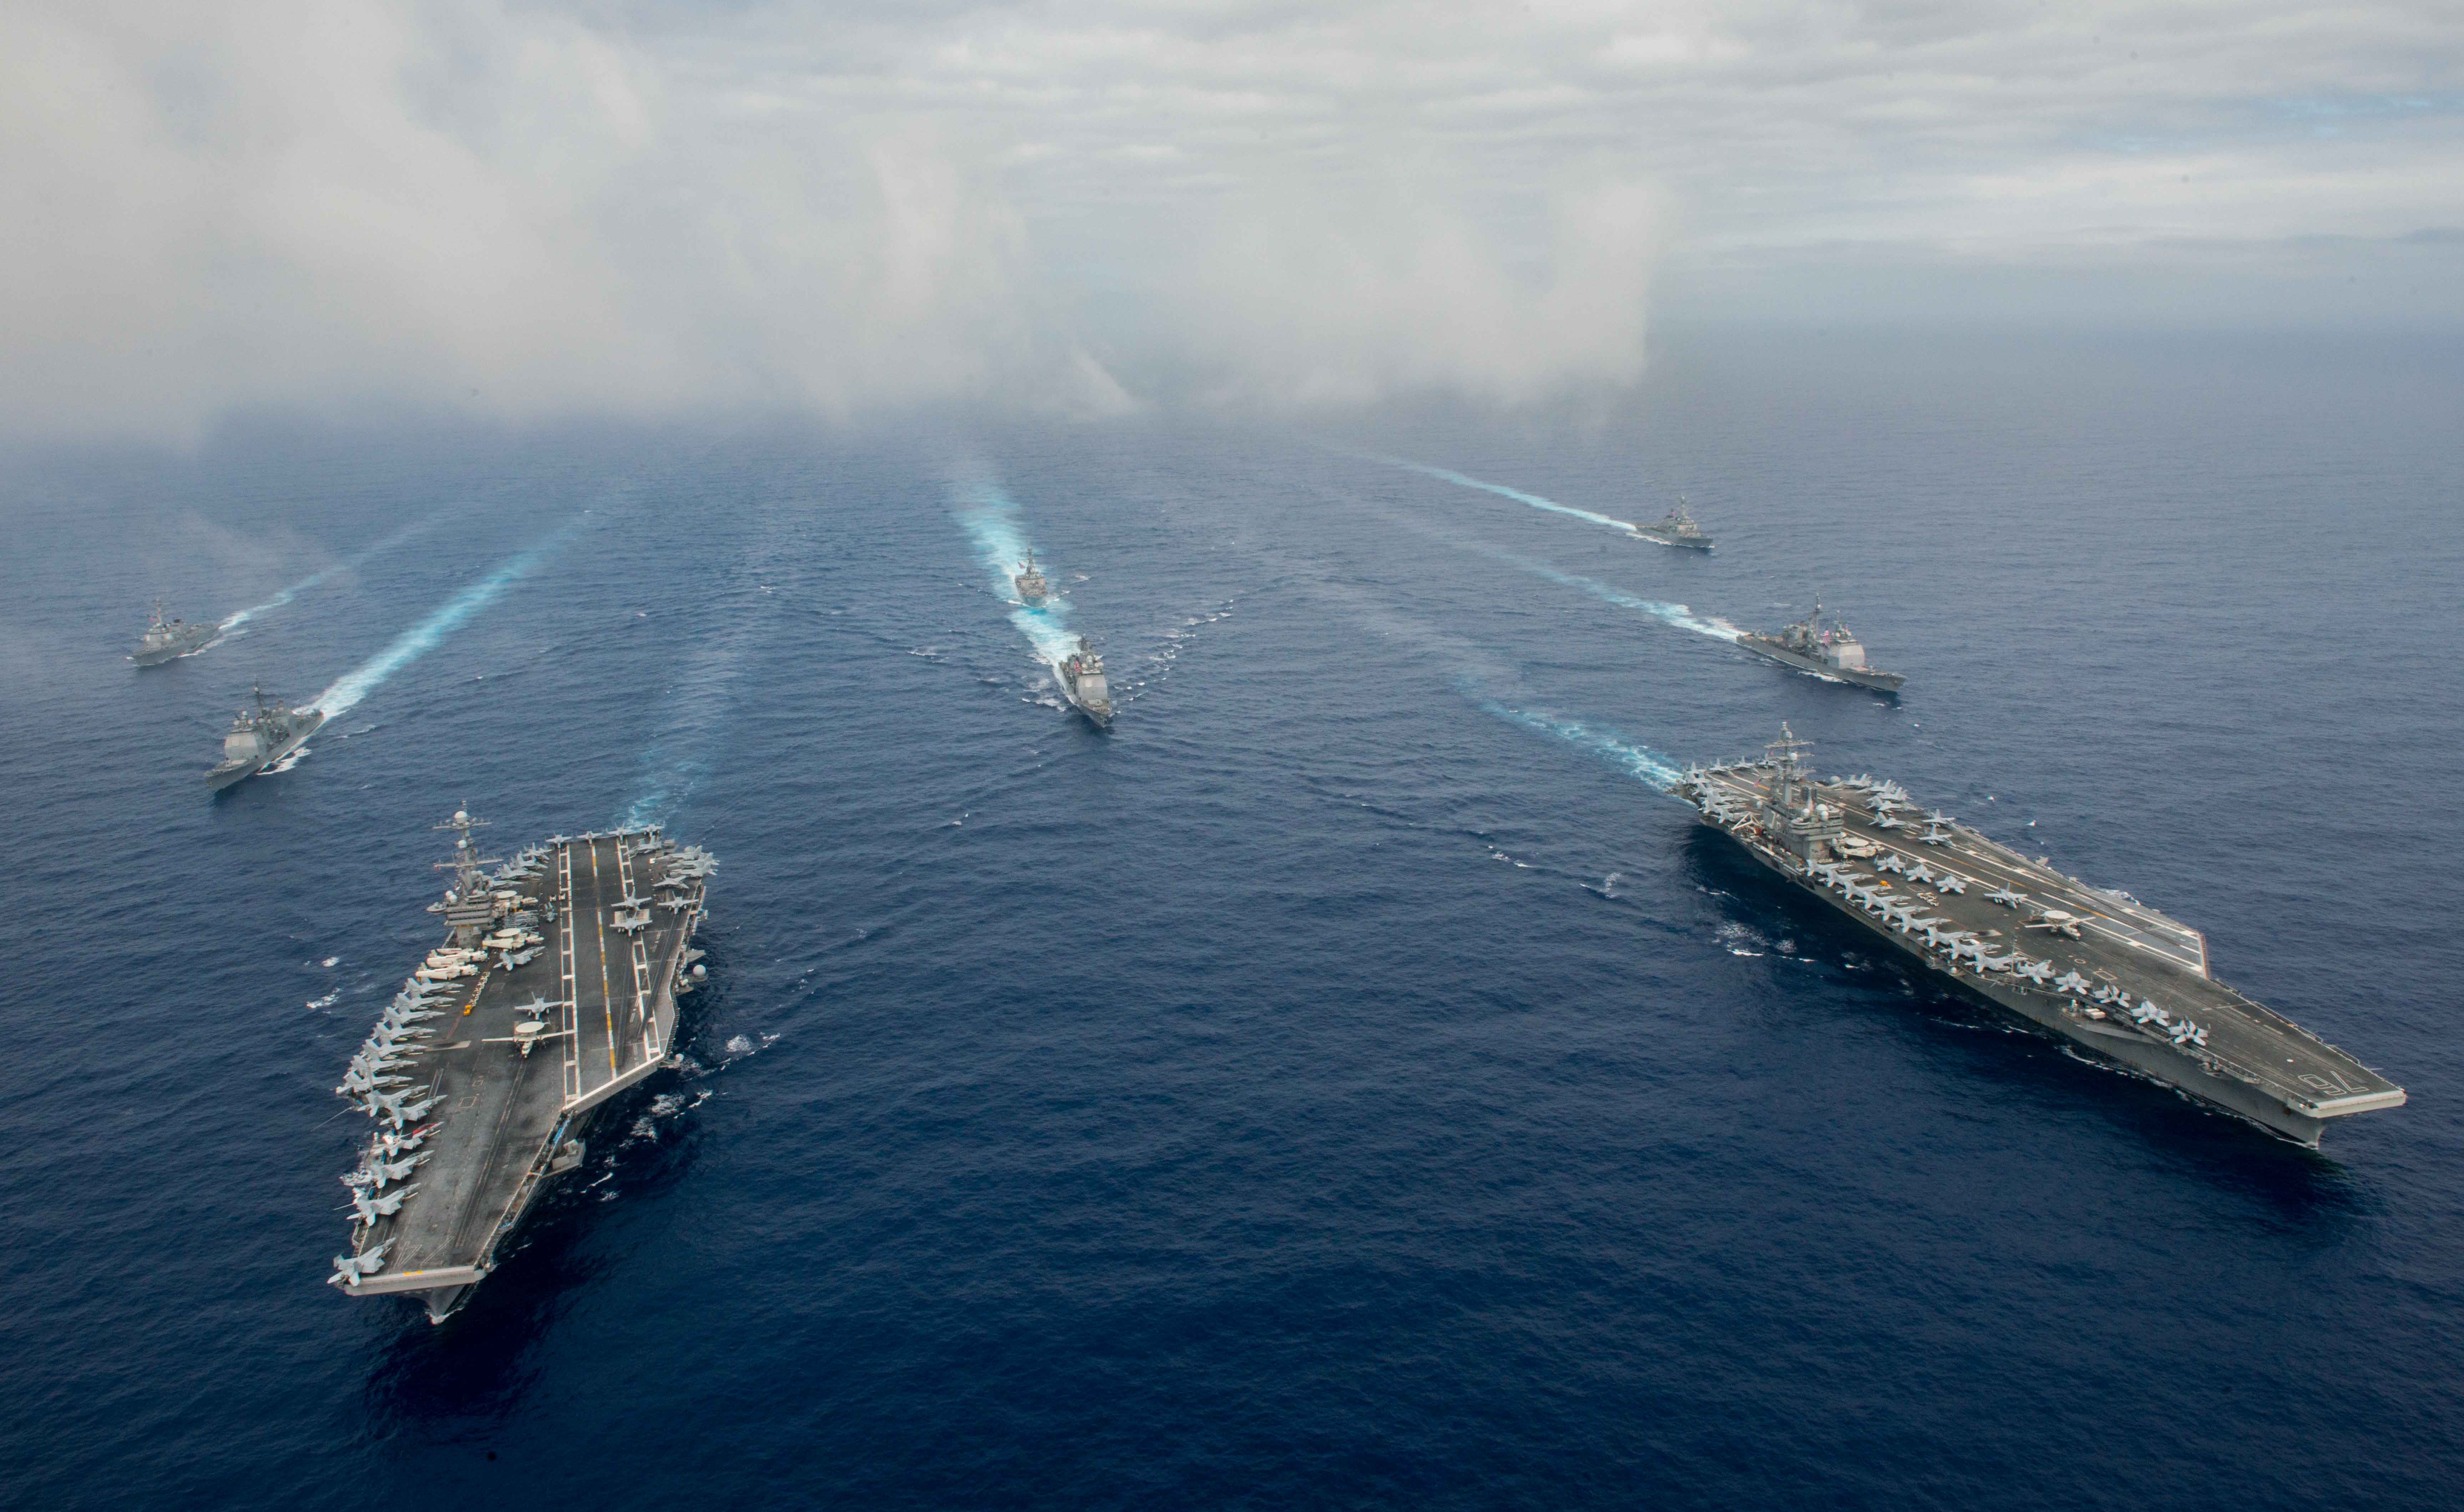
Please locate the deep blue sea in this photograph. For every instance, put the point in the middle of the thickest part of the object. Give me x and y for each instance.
(1349, 1081)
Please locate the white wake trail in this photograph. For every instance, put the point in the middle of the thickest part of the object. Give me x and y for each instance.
(348, 564)
(1676, 614)
(992, 517)
(1645, 765)
(429, 633)
(1462, 480)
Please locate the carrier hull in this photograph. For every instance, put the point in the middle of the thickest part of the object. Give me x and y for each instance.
(509, 1113)
(2134, 992)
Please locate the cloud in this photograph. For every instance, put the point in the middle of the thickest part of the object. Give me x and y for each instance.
(527, 210)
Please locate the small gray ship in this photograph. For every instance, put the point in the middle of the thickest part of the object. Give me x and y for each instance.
(1677, 529)
(169, 638)
(1029, 583)
(553, 991)
(260, 737)
(1826, 651)
(1081, 675)
(2097, 969)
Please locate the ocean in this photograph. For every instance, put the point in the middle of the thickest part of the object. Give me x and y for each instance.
(1351, 1080)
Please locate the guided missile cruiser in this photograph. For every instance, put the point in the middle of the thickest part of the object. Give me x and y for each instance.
(259, 738)
(1081, 675)
(554, 991)
(1827, 651)
(1677, 529)
(169, 638)
(1029, 583)
(2100, 970)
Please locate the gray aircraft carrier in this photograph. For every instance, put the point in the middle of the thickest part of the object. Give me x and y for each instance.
(555, 991)
(2100, 969)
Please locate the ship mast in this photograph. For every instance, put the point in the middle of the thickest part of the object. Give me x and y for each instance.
(1787, 771)
(468, 905)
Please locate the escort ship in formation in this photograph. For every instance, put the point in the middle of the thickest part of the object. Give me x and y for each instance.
(1081, 675)
(169, 638)
(1677, 529)
(1032, 588)
(2101, 969)
(1826, 651)
(260, 737)
(555, 989)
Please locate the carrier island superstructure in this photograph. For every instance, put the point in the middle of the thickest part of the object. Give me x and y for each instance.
(2100, 969)
(555, 989)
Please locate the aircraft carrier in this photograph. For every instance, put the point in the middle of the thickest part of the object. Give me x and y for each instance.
(556, 989)
(2104, 972)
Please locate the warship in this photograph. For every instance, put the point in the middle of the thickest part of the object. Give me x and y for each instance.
(1081, 675)
(1030, 583)
(1828, 651)
(168, 639)
(555, 989)
(1677, 529)
(2099, 968)
(259, 738)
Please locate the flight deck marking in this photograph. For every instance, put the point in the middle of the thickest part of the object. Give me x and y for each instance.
(599, 924)
(564, 960)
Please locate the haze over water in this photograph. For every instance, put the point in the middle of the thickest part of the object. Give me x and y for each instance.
(1350, 1081)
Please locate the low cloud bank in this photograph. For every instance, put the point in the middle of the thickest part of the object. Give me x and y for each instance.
(506, 212)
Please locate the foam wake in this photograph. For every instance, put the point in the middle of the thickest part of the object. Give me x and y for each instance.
(429, 633)
(1639, 761)
(1676, 614)
(992, 518)
(346, 565)
(1461, 480)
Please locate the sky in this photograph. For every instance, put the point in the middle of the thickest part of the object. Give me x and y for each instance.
(1093, 207)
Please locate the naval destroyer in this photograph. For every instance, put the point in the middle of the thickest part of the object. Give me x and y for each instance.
(169, 638)
(1081, 675)
(1677, 529)
(2099, 968)
(555, 989)
(1827, 651)
(1029, 583)
(259, 738)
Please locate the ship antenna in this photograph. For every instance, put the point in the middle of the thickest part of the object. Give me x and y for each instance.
(1787, 767)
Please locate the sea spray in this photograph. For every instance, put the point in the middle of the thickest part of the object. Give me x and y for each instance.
(427, 634)
(348, 564)
(992, 517)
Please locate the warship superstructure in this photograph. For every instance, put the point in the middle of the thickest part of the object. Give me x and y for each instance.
(2097, 968)
(1677, 529)
(1826, 651)
(259, 738)
(169, 638)
(1081, 675)
(555, 989)
(1029, 583)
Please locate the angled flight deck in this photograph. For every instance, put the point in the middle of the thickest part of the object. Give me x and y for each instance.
(2101, 970)
(556, 991)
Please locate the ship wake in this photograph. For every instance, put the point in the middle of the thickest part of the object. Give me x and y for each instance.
(346, 565)
(1464, 480)
(1651, 768)
(992, 518)
(429, 633)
